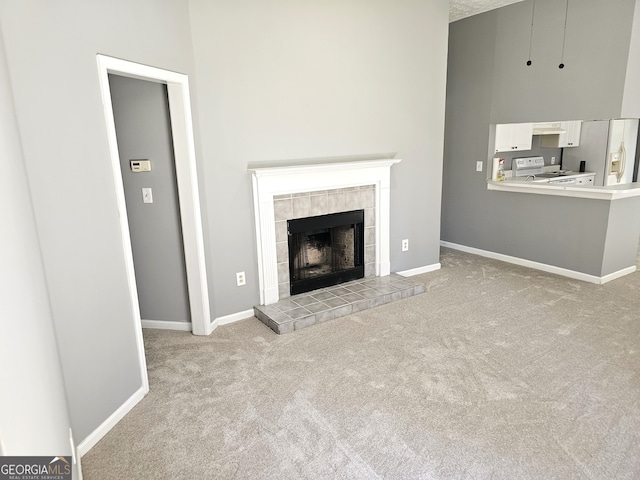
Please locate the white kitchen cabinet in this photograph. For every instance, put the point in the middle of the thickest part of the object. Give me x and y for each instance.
(513, 136)
(570, 137)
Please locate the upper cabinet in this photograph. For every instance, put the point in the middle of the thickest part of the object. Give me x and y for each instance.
(513, 136)
(569, 137)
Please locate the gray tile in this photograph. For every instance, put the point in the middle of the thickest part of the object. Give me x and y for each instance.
(261, 316)
(356, 287)
(281, 231)
(318, 307)
(319, 205)
(407, 292)
(272, 325)
(368, 198)
(323, 296)
(282, 197)
(283, 272)
(335, 202)
(304, 300)
(395, 296)
(352, 200)
(361, 305)
(304, 322)
(418, 289)
(377, 301)
(301, 207)
(267, 309)
(282, 252)
(352, 297)
(370, 236)
(369, 293)
(369, 217)
(299, 312)
(280, 317)
(301, 194)
(342, 311)
(285, 328)
(369, 269)
(324, 316)
(384, 289)
(286, 305)
(335, 302)
(401, 283)
(378, 281)
(340, 291)
(282, 209)
(369, 254)
(284, 290)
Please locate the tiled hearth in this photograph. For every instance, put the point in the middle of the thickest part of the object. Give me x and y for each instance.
(299, 311)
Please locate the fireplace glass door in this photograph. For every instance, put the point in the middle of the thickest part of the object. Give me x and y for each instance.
(325, 250)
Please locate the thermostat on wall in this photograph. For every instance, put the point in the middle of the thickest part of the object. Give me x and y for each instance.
(140, 165)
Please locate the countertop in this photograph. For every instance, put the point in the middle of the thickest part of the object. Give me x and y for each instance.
(543, 187)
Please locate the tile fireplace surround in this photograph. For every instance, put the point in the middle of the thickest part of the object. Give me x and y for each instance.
(271, 182)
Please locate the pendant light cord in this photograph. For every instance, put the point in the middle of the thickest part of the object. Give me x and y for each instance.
(564, 35)
(533, 11)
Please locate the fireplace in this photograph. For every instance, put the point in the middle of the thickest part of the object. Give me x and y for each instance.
(274, 186)
(325, 250)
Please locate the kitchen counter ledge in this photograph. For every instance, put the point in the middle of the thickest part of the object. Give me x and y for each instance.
(614, 192)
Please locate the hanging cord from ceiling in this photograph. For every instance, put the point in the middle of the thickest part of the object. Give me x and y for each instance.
(564, 35)
(533, 11)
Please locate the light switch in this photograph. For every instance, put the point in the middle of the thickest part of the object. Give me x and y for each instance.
(147, 195)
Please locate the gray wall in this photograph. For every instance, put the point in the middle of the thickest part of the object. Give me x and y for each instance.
(62, 126)
(566, 232)
(592, 83)
(143, 129)
(623, 231)
(33, 409)
(631, 98)
(275, 80)
(308, 79)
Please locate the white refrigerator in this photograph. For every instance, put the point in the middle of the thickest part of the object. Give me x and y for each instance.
(608, 147)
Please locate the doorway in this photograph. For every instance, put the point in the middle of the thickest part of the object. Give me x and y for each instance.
(143, 130)
(177, 86)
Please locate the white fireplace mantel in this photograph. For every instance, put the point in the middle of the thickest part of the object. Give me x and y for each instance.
(280, 180)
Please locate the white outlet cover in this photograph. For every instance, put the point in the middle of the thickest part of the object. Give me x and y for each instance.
(479, 166)
(147, 195)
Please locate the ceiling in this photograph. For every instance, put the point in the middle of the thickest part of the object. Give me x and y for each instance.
(465, 8)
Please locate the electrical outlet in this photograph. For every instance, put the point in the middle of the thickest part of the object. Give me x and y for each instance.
(240, 279)
(479, 166)
(405, 245)
(553, 160)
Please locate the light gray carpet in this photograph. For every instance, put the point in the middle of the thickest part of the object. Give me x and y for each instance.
(496, 371)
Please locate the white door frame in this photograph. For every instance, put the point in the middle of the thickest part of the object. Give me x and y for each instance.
(187, 180)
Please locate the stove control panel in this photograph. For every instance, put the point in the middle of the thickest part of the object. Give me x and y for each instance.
(524, 166)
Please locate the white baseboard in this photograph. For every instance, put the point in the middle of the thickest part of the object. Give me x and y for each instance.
(585, 277)
(618, 274)
(420, 270)
(167, 325)
(94, 437)
(234, 317)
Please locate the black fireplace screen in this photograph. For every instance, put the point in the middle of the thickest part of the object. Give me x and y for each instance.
(325, 250)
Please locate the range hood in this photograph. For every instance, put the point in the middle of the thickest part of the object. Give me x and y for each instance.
(554, 128)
